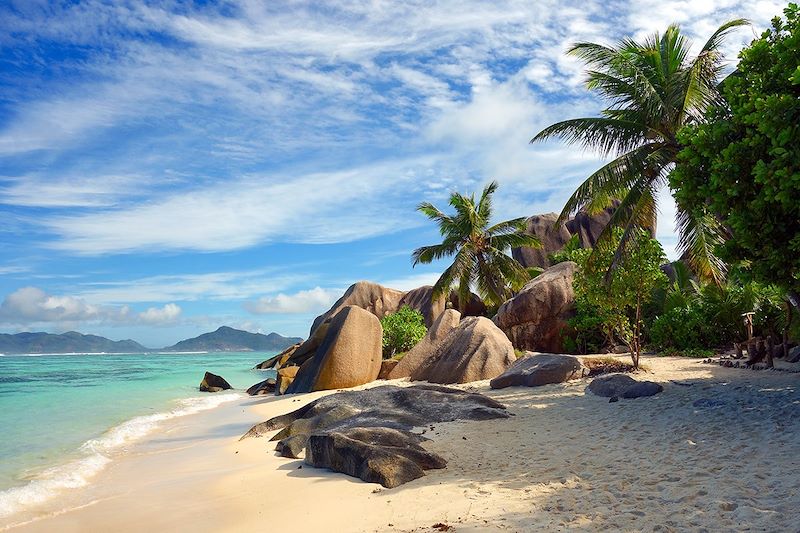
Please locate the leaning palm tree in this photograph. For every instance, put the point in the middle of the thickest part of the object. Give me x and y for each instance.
(480, 250)
(654, 89)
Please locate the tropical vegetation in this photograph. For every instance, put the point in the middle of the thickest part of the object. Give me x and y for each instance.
(653, 89)
(742, 163)
(402, 330)
(615, 306)
(479, 249)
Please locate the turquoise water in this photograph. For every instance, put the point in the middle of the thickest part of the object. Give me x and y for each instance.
(64, 417)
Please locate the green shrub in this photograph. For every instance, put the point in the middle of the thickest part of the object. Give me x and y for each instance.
(402, 330)
(712, 317)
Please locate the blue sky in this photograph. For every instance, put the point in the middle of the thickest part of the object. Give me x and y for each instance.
(169, 167)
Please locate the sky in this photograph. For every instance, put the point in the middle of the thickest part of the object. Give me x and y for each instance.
(170, 167)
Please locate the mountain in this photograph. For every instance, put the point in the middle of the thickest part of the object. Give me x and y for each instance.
(69, 342)
(227, 339)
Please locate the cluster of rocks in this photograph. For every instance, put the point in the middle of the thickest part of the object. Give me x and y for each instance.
(368, 434)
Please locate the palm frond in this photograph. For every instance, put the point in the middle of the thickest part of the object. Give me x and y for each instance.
(700, 235)
(610, 180)
(604, 135)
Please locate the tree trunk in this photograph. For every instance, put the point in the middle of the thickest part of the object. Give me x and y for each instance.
(753, 353)
(770, 351)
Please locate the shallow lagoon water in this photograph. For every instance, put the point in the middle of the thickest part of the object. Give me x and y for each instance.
(64, 417)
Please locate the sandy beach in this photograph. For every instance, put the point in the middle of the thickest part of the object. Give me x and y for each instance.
(718, 450)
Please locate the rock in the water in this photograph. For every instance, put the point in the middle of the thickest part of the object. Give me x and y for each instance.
(536, 317)
(263, 387)
(473, 351)
(370, 429)
(794, 355)
(378, 300)
(284, 378)
(622, 386)
(540, 369)
(387, 456)
(422, 352)
(278, 360)
(387, 365)
(553, 237)
(213, 383)
(349, 355)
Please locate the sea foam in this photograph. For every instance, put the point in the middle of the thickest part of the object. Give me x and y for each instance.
(96, 454)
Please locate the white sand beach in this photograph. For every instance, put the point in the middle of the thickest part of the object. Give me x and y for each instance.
(718, 450)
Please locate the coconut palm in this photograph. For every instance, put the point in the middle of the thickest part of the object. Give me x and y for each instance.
(654, 89)
(480, 250)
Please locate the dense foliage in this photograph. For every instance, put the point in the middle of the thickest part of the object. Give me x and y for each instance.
(743, 163)
(480, 249)
(710, 316)
(615, 303)
(402, 330)
(653, 89)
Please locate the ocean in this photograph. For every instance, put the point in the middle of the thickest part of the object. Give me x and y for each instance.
(63, 418)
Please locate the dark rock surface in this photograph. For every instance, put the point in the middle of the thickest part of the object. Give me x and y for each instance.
(263, 387)
(213, 383)
(359, 423)
(622, 386)
(540, 369)
(536, 318)
(387, 456)
(279, 360)
(554, 236)
(387, 365)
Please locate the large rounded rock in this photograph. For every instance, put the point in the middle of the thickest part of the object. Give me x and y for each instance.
(417, 356)
(367, 433)
(349, 355)
(554, 236)
(213, 383)
(422, 300)
(263, 387)
(284, 378)
(473, 351)
(387, 456)
(378, 300)
(540, 369)
(622, 386)
(535, 319)
(279, 360)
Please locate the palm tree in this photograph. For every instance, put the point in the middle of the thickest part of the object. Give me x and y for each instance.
(653, 89)
(480, 250)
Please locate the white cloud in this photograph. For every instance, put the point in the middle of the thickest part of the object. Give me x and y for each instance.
(72, 191)
(31, 305)
(159, 315)
(316, 208)
(314, 300)
(457, 88)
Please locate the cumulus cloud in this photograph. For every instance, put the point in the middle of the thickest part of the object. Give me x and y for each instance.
(306, 301)
(32, 305)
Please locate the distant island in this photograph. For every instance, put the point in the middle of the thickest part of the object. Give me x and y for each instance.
(227, 339)
(224, 339)
(69, 342)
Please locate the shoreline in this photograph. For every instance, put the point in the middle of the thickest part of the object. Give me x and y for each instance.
(717, 449)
